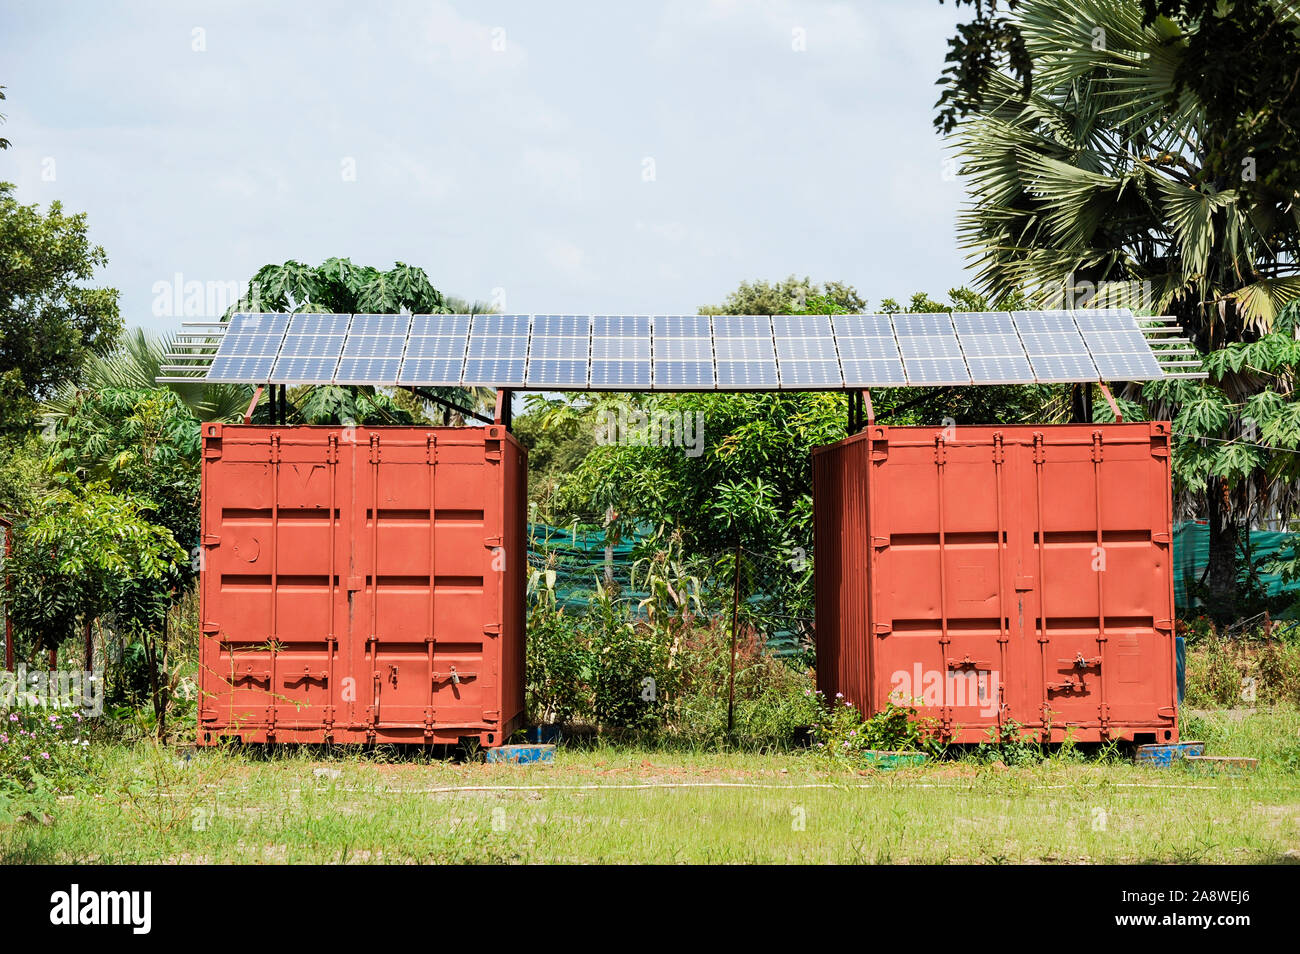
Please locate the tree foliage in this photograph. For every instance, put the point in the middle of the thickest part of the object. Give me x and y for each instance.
(86, 553)
(50, 321)
(1106, 185)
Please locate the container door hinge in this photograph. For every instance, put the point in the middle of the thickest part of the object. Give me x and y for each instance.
(998, 453)
(880, 543)
(1039, 455)
(883, 629)
(210, 628)
(939, 449)
(1166, 712)
(492, 451)
(1162, 538)
(492, 542)
(1164, 625)
(374, 448)
(492, 629)
(492, 715)
(1096, 446)
(211, 540)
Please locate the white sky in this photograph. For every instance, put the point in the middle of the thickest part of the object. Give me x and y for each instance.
(521, 169)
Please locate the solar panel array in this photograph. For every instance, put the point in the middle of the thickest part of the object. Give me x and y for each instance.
(689, 352)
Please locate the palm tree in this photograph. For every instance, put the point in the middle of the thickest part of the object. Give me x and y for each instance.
(135, 363)
(1096, 182)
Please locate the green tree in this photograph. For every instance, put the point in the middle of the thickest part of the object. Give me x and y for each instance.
(86, 553)
(337, 286)
(49, 320)
(1100, 185)
(1240, 60)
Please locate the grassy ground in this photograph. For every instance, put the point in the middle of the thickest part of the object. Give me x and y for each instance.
(632, 805)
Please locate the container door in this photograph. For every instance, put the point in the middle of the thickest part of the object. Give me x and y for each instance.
(270, 584)
(940, 520)
(1104, 565)
(428, 512)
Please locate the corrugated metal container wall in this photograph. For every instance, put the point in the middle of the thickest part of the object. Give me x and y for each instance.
(1000, 574)
(362, 584)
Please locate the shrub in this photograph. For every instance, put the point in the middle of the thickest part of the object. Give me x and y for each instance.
(843, 733)
(42, 755)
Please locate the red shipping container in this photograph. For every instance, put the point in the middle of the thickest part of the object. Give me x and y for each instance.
(362, 584)
(1000, 574)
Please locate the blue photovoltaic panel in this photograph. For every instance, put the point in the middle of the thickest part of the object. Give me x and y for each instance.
(982, 323)
(373, 346)
(312, 346)
(929, 346)
(570, 375)
(1000, 369)
(563, 326)
(907, 325)
(1127, 367)
(747, 375)
(249, 345)
(431, 372)
(312, 323)
(620, 326)
(683, 349)
(570, 349)
(304, 370)
(499, 325)
(866, 349)
(627, 349)
(742, 326)
(805, 349)
(499, 349)
(684, 375)
(818, 375)
(1108, 320)
(1043, 322)
(862, 326)
(1062, 368)
(862, 373)
(1116, 342)
(258, 324)
(494, 372)
(440, 325)
(991, 346)
(241, 369)
(621, 375)
(681, 326)
(1053, 342)
(369, 370)
(744, 349)
(801, 326)
(380, 325)
(430, 347)
(936, 371)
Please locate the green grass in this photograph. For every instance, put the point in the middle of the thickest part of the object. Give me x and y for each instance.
(643, 805)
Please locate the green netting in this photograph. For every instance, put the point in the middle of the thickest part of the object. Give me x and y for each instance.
(582, 559)
(1192, 552)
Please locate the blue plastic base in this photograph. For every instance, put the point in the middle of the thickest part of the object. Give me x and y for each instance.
(1163, 756)
(522, 754)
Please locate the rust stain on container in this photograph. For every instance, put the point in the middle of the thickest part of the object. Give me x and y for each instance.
(1000, 574)
(362, 584)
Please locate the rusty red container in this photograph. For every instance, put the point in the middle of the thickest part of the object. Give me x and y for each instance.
(1001, 574)
(361, 584)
